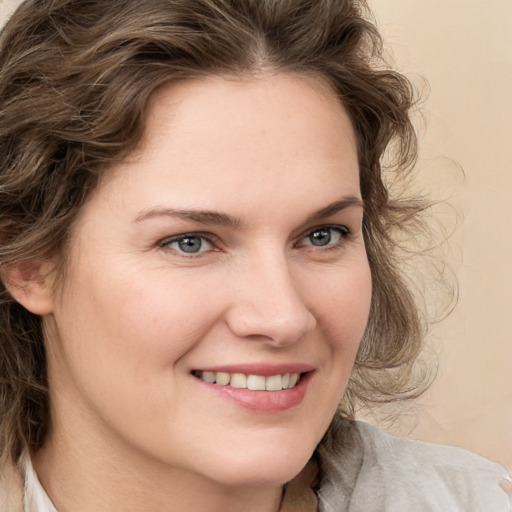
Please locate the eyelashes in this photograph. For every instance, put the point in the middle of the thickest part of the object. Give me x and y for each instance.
(195, 244)
(325, 236)
(189, 243)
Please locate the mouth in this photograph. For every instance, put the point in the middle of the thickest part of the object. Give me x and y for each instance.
(259, 387)
(252, 382)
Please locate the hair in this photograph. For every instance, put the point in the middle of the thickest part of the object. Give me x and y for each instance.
(75, 80)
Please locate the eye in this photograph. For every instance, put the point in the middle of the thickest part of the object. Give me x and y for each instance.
(190, 243)
(326, 236)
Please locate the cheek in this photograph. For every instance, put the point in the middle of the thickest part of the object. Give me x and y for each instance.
(144, 319)
(117, 337)
(122, 327)
(341, 303)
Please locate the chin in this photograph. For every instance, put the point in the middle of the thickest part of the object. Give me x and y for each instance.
(263, 464)
(264, 474)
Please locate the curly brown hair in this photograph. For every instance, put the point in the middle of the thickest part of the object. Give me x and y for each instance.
(75, 79)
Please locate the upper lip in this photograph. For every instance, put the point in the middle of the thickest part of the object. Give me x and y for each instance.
(263, 369)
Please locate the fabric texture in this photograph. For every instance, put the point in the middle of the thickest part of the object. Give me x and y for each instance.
(357, 468)
(363, 469)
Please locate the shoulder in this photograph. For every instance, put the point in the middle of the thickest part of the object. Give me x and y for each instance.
(380, 472)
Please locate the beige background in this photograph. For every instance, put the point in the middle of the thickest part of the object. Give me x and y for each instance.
(464, 49)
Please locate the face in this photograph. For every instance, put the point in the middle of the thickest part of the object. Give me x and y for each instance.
(217, 286)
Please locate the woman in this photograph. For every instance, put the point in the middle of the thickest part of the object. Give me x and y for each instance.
(200, 266)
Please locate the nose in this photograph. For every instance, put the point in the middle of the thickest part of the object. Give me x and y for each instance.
(268, 306)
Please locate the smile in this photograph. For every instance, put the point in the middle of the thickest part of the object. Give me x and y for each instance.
(252, 382)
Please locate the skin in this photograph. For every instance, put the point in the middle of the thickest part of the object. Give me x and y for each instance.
(132, 428)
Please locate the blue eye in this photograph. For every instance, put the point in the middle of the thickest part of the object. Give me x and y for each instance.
(188, 243)
(326, 236)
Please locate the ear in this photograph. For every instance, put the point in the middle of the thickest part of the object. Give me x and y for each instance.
(30, 283)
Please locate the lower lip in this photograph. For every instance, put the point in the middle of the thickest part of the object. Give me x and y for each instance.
(263, 401)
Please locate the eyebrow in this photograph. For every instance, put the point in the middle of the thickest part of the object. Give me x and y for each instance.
(200, 216)
(209, 217)
(333, 208)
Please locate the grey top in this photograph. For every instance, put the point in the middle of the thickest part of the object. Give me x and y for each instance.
(363, 469)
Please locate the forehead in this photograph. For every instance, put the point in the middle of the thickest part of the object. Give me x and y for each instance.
(243, 108)
(220, 138)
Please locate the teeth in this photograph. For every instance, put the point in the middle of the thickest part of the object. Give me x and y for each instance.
(252, 382)
(222, 378)
(274, 383)
(256, 382)
(238, 380)
(209, 376)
